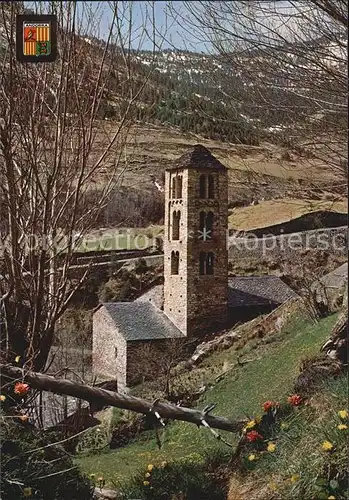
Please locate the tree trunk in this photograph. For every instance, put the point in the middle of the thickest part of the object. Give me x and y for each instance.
(109, 398)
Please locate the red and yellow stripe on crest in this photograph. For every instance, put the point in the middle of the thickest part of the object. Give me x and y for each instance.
(29, 48)
(42, 34)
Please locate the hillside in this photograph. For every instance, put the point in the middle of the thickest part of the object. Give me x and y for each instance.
(185, 100)
(264, 172)
(271, 366)
(199, 93)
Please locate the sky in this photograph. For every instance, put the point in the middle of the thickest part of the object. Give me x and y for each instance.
(170, 27)
(163, 15)
(165, 24)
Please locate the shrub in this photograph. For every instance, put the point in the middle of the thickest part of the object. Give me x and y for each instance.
(94, 441)
(186, 479)
(29, 470)
(113, 290)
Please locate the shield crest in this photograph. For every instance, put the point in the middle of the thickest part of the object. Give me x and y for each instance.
(36, 39)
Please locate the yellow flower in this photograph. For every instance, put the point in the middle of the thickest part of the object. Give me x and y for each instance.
(327, 446)
(294, 478)
(27, 492)
(17, 359)
(24, 418)
(146, 483)
(150, 467)
(331, 498)
(2, 397)
(343, 414)
(147, 474)
(271, 447)
(251, 424)
(342, 427)
(272, 485)
(252, 457)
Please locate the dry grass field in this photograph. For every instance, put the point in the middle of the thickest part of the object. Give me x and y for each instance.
(273, 212)
(149, 149)
(264, 214)
(286, 185)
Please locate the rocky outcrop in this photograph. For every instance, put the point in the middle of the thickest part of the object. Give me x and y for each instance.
(337, 345)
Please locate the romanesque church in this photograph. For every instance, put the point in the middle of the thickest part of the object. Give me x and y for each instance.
(197, 295)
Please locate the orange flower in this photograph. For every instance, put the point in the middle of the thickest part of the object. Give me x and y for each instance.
(21, 388)
(268, 405)
(253, 436)
(294, 400)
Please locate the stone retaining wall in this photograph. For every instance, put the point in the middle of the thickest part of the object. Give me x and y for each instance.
(334, 240)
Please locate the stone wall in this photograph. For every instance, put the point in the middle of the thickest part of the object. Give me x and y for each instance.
(208, 294)
(109, 351)
(175, 286)
(334, 240)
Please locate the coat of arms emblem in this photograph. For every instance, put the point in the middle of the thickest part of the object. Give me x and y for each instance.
(36, 38)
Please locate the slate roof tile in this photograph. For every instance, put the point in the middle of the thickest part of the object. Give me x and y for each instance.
(244, 291)
(141, 321)
(198, 157)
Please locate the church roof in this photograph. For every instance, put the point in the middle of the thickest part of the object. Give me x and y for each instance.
(258, 291)
(198, 157)
(243, 291)
(141, 321)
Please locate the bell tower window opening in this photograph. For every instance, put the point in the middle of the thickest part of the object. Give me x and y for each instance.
(205, 226)
(206, 263)
(202, 263)
(209, 263)
(174, 262)
(169, 221)
(174, 186)
(209, 224)
(210, 186)
(179, 186)
(202, 222)
(176, 217)
(202, 186)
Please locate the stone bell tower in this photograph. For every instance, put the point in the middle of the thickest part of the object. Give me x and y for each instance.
(195, 242)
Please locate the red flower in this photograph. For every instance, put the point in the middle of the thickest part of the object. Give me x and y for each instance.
(21, 388)
(294, 400)
(253, 436)
(270, 404)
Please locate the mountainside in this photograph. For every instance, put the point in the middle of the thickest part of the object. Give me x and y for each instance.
(233, 88)
(183, 98)
(223, 98)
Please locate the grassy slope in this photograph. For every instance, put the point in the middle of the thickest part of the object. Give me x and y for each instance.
(241, 393)
(299, 455)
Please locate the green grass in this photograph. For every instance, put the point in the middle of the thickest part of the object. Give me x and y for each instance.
(128, 239)
(118, 239)
(269, 376)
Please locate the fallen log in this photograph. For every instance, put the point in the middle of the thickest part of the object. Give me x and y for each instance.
(93, 394)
